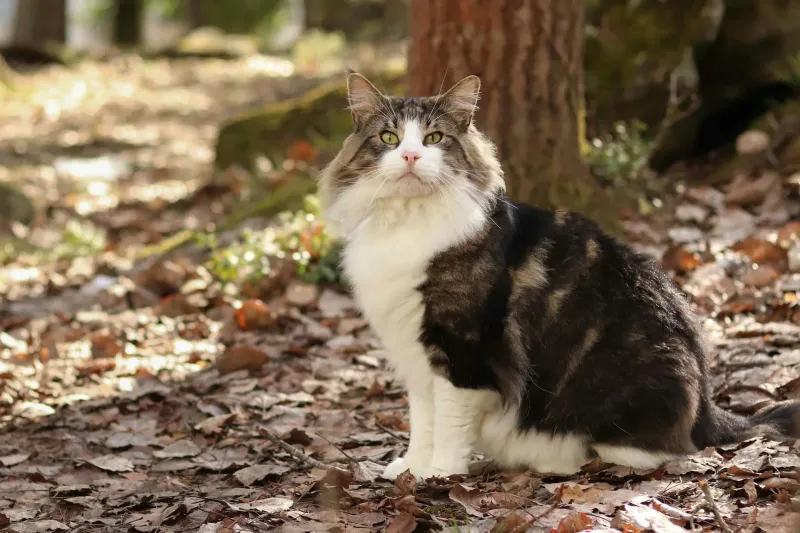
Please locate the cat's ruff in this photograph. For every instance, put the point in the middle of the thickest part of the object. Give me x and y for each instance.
(526, 335)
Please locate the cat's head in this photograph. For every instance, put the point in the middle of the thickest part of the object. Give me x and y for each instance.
(409, 150)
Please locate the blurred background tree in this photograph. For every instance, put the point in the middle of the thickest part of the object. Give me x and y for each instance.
(39, 22)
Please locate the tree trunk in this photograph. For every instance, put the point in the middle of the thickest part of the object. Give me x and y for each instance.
(128, 22)
(39, 22)
(198, 17)
(529, 56)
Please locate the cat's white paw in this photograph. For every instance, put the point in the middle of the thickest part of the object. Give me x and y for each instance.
(395, 468)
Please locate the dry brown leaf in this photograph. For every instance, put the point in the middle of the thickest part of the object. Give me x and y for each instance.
(750, 489)
(175, 305)
(636, 517)
(678, 259)
(302, 151)
(181, 448)
(254, 314)
(251, 474)
(105, 346)
(573, 523)
(470, 499)
(402, 523)
(241, 357)
(112, 463)
(13, 460)
(213, 424)
(763, 252)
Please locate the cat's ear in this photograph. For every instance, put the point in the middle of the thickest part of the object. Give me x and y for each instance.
(461, 101)
(364, 98)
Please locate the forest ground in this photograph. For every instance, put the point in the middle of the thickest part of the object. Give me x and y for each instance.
(136, 395)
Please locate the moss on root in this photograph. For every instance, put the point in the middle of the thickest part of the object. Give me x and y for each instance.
(319, 117)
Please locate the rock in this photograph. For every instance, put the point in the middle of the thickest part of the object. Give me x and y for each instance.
(752, 142)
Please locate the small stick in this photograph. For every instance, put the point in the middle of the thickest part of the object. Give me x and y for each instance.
(713, 506)
(347, 455)
(291, 450)
(391, 433)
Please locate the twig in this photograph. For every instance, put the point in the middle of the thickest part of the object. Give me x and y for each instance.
(347, 455)
(291, 450)
(391, 433)
(713, 506)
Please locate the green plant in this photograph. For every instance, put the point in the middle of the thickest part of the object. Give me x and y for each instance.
(298, 236)
(618, 156)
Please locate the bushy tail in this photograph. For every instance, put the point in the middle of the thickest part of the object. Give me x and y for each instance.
(716, 426)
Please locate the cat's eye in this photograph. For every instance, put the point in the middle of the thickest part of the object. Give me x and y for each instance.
(389, 138)
(433, 138)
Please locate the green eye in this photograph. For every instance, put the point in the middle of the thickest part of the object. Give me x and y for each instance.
(388, 137)
(433, 138)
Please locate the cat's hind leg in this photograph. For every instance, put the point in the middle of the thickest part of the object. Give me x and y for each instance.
(638, 458)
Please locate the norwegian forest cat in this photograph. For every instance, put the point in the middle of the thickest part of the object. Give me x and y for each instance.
(527, 335)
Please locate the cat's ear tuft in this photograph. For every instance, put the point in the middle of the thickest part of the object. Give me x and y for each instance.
(462, 99)
(364, 98)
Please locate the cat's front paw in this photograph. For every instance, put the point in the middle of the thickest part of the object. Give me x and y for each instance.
(395, 468)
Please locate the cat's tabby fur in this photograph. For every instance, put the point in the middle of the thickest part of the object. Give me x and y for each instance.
(526, 334)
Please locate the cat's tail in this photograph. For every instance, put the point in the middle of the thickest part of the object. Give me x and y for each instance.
(716, 426)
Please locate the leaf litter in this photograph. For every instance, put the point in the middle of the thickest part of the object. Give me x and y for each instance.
(142, 396)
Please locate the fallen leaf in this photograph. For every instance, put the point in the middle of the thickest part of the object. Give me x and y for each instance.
(105, 346)
(241, 357)
(254, 314)
(678, 259)
(301, 294)
(513, 523)
(181, 448)
(750, 489)
(297, 436)
(267, 505)
(42, 526)
(402, 523)
(747, 193)
(367, 472)
(11, 460)
(175, 305)
(573, 523)
(302, 151)
(763, 252)
(251, 474)
(112, 463)
(643, 518)
(125, 440)
(468, 498)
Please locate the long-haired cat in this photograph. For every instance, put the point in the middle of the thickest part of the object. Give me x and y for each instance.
(528, 335)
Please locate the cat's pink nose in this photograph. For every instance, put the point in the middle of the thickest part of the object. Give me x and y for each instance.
(410, 157)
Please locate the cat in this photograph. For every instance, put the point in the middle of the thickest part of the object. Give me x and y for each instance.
(527, 335)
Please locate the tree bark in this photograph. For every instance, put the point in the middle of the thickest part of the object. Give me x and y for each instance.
(38, 22)
(529, 56)
(128, 22)
(198, 16)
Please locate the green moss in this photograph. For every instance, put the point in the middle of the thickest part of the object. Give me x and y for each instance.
(319, 117)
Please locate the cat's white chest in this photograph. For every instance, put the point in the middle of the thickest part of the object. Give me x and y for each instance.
(386, 268)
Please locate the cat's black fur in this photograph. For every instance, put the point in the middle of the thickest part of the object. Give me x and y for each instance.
(616, 355)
